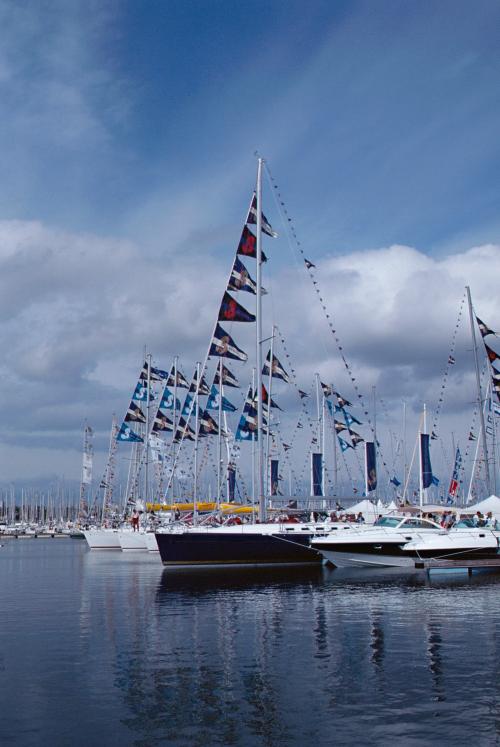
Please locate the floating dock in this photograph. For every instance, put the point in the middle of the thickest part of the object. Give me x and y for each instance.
(433, 565)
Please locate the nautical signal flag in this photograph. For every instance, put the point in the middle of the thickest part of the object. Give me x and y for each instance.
(224, 346)
(451, 360)
(183, 431)
(265, 399)
(472, 437)
(248, 245)
(175, 378)
(252, 219)
(215, 400)
(339, 427)
(227, 377)
(162, 423)
(156, 374)
(355, 438)
(240, 279)
(203, 389)
(208, 426)
(167, 400)
(127, 434)
(327, 390)
(141, 393)
(491, 354)
(343, 444)
(302, 394)
(308, 264)
(134, 413)
(277, 370)
(394, 481)
(231, 311)
(484, 329)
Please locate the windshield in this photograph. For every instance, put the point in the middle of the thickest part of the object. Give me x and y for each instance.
(387, 521)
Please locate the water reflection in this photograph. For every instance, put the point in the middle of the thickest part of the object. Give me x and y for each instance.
(244, 657)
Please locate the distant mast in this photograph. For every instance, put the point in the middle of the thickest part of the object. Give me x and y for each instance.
(87, 467)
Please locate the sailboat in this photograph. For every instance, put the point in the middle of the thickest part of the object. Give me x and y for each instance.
(263, 542)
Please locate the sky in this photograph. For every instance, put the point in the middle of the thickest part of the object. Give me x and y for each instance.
(128, 134)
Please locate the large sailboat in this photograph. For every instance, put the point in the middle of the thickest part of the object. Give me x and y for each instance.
(262, 542)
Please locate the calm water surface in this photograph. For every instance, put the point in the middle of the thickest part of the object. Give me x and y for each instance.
(109, 649)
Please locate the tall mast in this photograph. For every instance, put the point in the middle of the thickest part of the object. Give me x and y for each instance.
(146, 439)
(479, 395)
(269, 395)
(219, 440)
(258, 333)
(375, 428)
(174, 429)
(197, 427)
(335, 468)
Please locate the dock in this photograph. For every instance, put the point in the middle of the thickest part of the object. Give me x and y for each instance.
(468, 566)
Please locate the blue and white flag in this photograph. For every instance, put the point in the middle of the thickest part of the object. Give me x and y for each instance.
(155, 374)
(187, 406)
(214, 400)
(141, 393)
(127, 434)
(167, 401)
(370, 466)
(343, 444)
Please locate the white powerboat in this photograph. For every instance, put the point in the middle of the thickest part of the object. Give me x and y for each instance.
(377, 546)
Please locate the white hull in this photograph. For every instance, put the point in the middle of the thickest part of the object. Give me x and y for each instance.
(151, 543)
(365, 560)
(102, 539)
(132, 541)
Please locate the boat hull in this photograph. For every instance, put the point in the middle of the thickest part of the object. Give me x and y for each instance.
(102, 539)
(393, 555)
(190, 549)
(132, 541)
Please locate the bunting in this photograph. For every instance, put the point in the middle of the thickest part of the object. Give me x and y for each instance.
(248, 245)
(492, 356)
(339, 427)
(231, 311)
(343, 444)
(183, 431)
(134, 413)
(203, 388)
(156, 374)
(327, 389)
(224, 346)
(215, 399)
(455, 481)
(127, 434)
(208, 426)
(302, 394)
(394, 481)
(141, 393)
(175, 378)
(252, 219)
(162, 423)
(451, 360)
(227, 378)
(309, 264)
(167, 400)
(355, 438)
(265, 399)
(484, 329)
(240, 279)
(277, 369)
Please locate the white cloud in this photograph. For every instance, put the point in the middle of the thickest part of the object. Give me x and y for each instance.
(77, 310)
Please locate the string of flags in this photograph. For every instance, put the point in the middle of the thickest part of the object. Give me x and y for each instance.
(310, 270)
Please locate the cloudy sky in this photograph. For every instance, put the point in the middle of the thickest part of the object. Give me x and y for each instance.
(127, 140)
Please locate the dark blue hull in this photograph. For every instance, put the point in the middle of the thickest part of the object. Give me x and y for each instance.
(206, 549)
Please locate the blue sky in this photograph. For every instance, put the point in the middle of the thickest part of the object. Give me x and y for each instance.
(127, 139)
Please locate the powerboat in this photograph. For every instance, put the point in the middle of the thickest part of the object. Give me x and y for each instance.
(379, 545)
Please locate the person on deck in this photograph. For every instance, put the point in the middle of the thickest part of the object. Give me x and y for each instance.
(135, 521)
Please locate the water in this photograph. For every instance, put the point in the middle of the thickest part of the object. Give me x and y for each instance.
(109, 649)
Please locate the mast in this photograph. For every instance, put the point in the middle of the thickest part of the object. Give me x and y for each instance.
(254, 483)
(174, 430)
(109, 474)
(219, 440)
(146, 439)
(269, 395)
(375, 429)
(335, 468)
(404, 444)
(197, 427)
(258, 334)
(479, 395)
